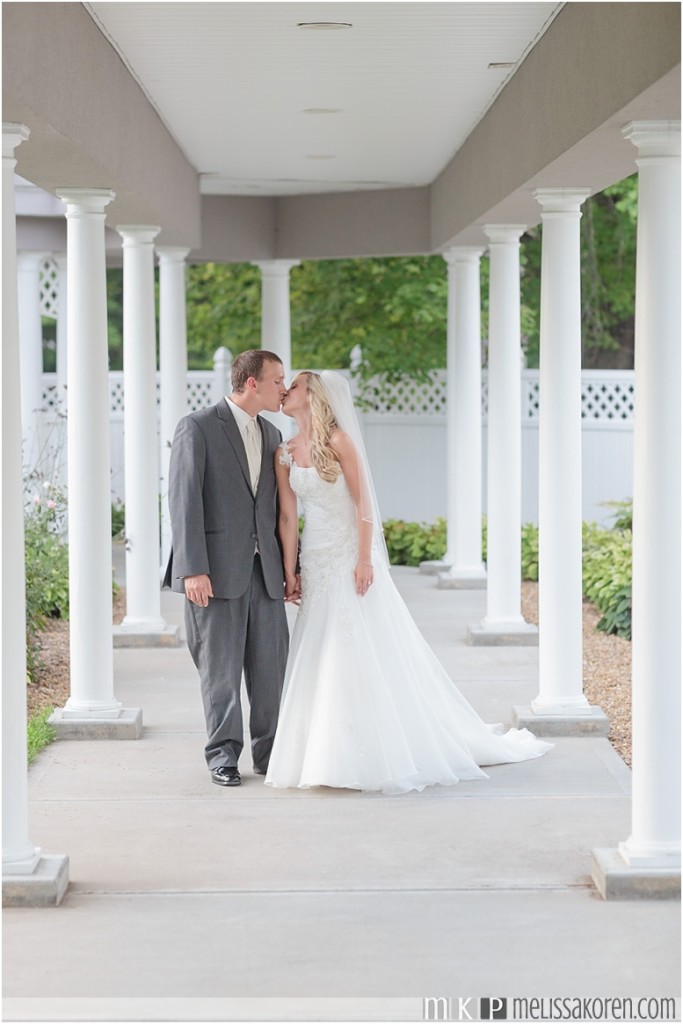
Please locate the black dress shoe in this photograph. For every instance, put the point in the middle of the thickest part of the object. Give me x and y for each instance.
(226, 776)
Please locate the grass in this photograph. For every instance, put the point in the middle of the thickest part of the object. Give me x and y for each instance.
(40, 734)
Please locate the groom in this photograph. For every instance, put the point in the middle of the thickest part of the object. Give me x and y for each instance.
(226, 559)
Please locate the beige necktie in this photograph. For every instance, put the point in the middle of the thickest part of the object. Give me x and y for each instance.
(253, 449)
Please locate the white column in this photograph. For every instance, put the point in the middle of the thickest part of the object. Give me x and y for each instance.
(18, 852)
(222, 373)
(62, 335)
(463, 552)
(276, 335)
(29, 265)
(141, 460)
(503, 622)
(560, 511)
(27, 876)
(656, 623)
(90, 569)
(173, 369)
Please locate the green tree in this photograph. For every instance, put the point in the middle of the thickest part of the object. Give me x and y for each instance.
(395, 307)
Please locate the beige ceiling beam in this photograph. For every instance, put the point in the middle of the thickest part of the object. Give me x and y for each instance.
(91, 124)
(559, 118)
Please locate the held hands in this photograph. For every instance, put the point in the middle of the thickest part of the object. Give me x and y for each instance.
(198, 589)
(364, 577)
(292, 588)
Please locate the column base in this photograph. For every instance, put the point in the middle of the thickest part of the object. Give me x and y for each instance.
(616, 880)
(508, 634)
(455, 580)
(128, 726)
(43, 887)
(433, 568)
(134, 636)
(595, 723)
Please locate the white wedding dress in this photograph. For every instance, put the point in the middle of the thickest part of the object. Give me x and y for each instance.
(366, 704)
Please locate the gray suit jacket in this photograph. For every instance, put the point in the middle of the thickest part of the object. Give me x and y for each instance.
(215, 517)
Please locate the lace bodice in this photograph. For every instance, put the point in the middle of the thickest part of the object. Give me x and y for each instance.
(329, 543)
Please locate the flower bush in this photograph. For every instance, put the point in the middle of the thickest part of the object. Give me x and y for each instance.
(47, 565)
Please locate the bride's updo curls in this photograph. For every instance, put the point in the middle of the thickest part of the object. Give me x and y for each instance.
(322, 424)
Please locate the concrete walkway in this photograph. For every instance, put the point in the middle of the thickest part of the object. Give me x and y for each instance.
(191, 902)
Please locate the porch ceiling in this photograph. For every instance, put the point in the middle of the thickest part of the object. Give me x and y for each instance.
(237, 83)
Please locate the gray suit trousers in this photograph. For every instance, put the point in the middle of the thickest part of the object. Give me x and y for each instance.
(247, 632)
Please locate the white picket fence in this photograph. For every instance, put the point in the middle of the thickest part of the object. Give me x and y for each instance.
(404, 425)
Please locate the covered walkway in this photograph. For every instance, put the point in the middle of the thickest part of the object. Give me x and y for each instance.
(190, 902)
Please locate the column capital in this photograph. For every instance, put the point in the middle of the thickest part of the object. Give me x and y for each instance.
(83, 202)
(135, 235)
(12, 136)
(172, 253)
(463, 254)
(504, 234)
(654, 138)
(275, 268)
(561, 200)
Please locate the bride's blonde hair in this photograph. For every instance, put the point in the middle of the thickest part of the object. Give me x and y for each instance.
(322, 425)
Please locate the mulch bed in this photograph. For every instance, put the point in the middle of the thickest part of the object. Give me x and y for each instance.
(606, 667)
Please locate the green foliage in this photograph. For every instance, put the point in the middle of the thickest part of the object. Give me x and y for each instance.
(47, 565)
(223, 308)
(412, 543)
(622, 513)
(529, 551)
(39, 733)
(115, 317)
(395, 307)
(607, 576)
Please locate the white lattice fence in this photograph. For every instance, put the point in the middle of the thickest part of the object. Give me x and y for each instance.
(606, 396)
(405, 423)
(49, 289)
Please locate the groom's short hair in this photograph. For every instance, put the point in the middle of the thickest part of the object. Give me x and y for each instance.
(250, 364)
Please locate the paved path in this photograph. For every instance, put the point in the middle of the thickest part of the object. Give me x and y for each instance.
(191, 902)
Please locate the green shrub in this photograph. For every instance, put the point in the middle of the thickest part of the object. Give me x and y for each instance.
(607, 576)
(622, 513)
(412, 543)
(529, 551)
(47, 566)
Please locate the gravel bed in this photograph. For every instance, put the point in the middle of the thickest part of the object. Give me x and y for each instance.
(606, 670)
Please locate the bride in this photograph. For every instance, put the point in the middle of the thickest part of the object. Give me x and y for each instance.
(366, 704)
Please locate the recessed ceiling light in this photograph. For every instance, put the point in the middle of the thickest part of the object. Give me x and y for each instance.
(322, 110)
(501, 65)
(320, 156)
(325, 25)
